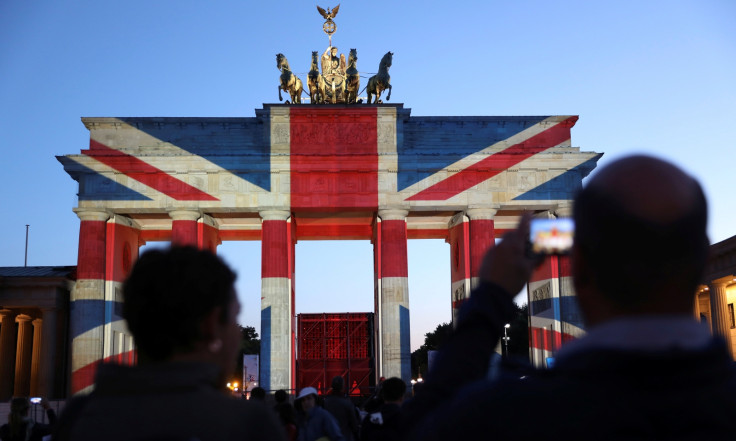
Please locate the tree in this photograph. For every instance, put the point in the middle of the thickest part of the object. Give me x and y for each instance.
(432, 342)
(249, 344)
(518, 334)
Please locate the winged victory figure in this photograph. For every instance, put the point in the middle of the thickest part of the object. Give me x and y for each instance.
(329, 14)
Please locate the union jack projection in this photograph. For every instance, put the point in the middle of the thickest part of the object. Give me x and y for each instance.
(331, 167)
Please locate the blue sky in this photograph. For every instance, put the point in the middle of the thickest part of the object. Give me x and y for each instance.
(655, 77)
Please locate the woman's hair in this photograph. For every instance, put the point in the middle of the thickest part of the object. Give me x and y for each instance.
(168, 293)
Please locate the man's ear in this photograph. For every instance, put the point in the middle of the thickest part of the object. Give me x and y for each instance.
(582, 278)
(211, 324)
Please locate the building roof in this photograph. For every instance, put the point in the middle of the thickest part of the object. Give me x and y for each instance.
(38, 271)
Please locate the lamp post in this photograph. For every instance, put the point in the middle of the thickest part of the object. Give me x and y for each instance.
(506, 339)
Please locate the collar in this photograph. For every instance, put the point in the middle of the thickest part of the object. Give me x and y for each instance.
(642, 334)
(167, 376)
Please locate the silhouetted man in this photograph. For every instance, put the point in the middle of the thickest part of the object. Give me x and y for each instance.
(646, 369)
(342, 409)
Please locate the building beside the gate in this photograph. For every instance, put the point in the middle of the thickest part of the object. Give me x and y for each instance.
(34, 312)
(714, 301)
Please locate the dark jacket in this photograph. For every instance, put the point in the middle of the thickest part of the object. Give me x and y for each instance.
(317, 423)
(592, 394)
(384, 425)
(344, 412)
(171, 401)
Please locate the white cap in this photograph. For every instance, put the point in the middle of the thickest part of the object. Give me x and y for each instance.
(306, 391)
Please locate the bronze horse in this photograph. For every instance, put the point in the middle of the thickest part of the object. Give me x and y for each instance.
(380, 81)
(316, 81)
(352, 82)
(288, 81)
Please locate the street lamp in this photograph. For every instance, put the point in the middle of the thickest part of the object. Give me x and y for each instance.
(506, 339)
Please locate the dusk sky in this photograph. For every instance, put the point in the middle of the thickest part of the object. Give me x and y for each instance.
(655, 77)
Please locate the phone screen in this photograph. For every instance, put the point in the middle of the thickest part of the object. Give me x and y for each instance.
(551, 236)
(36, 400)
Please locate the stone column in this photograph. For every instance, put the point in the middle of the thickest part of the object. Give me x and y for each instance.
(208, 237)
(7, 353)
(571, 318)
(276, 301)
(395, 337)
(184, 227)
(36, 358)
(482, 237)
(720, 320)
(544, 307)
(24, 352)
(458, 236)
(87, 306)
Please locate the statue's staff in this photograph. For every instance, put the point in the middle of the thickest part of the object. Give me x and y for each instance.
(329, 26)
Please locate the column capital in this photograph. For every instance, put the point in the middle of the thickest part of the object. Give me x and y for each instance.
(564, 210)
(184, 215)
(7, 313)
(21, 318)
(481, 213)
(92, 215)
(722, 282)
(37, 322)
(393, 214)
(547, 214)
(268, 215)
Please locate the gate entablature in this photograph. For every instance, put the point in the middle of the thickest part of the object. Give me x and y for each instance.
(307, 173)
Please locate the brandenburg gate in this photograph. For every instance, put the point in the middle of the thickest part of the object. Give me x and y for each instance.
(336, 168)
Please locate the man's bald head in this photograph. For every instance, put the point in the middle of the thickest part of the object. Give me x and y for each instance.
(641, 231)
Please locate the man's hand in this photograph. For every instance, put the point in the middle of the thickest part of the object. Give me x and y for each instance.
(508, 264)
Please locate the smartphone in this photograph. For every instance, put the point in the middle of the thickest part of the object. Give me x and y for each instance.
(551, 236)
(36, 400)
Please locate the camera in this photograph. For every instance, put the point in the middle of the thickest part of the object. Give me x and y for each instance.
(551, 236)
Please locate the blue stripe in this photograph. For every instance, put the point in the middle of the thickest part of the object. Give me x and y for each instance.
(265, 359)
(562, 187)
(564, 309)
(241, 146)
(85, 315)
(430, 144)
(95, 187)
(405, 342)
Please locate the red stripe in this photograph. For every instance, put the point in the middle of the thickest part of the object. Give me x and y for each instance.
(393, 249)
(85, 376)
(344, 232)
(184, 232)
(207, 237)
(122, 251)
(459, 252)
(496, 163)
(543, 338)
(334, 158)
(146, 173)
(275, 249)
(240, 234)
(91, 257)
(547, 270)
(159, 236)
(565, 266)
(481, 240)
(427, 233)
